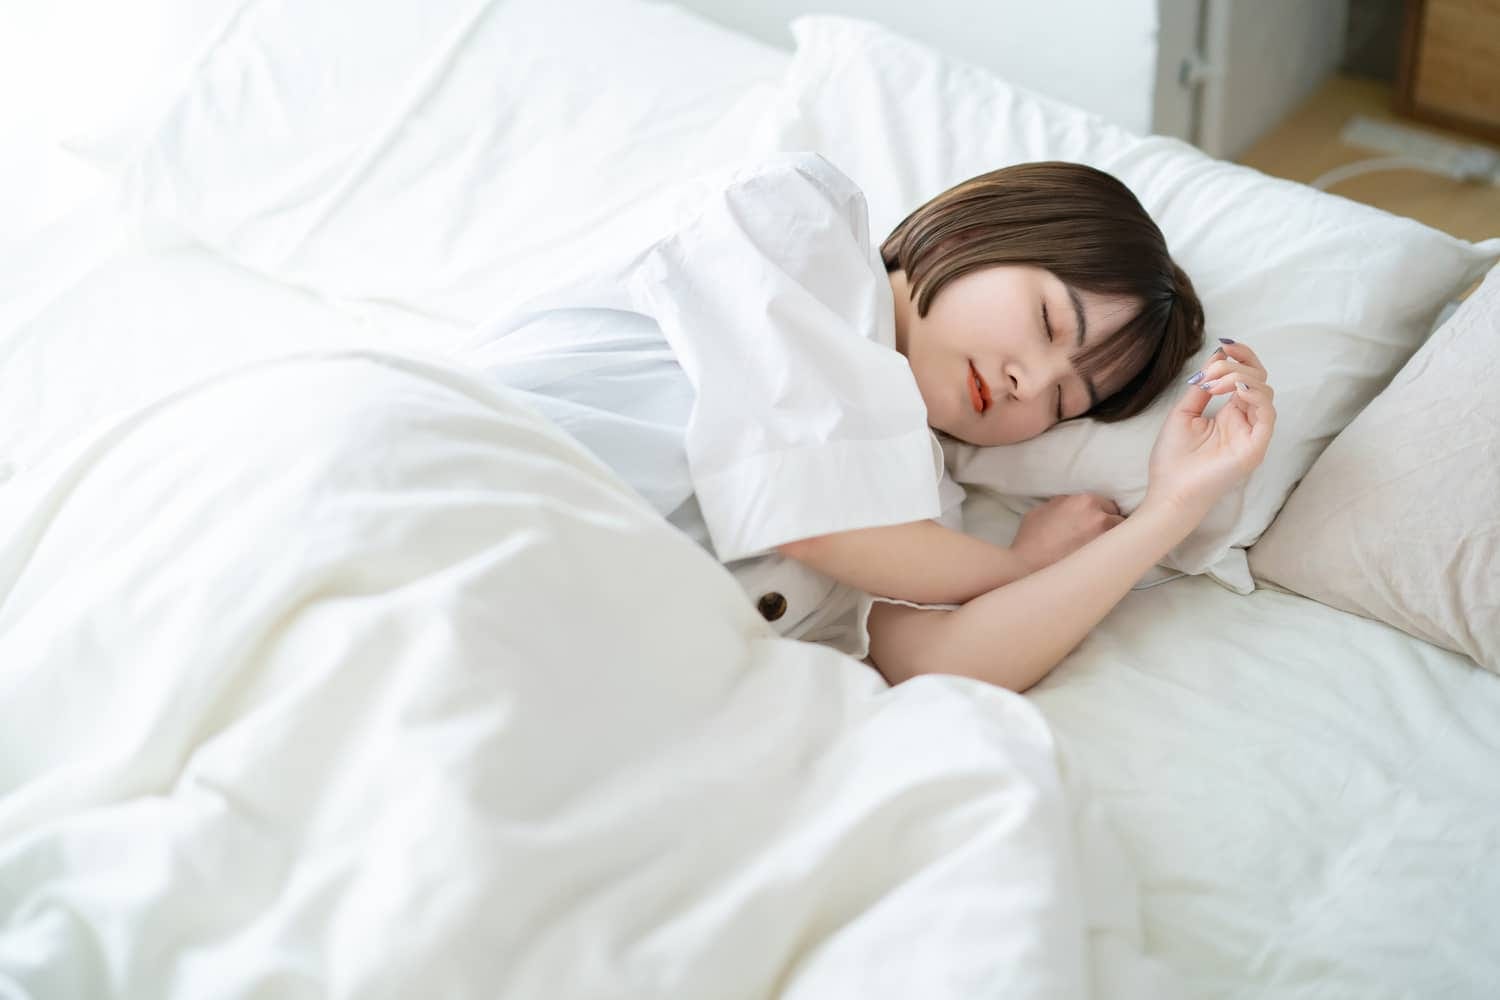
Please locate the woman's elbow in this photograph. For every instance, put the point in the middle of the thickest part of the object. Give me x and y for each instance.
(906, 642)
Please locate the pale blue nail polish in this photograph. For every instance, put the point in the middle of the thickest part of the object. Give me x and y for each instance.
(1209, 385)
(1197, 377)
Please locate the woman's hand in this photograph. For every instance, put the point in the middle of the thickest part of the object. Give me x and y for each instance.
(1052, 529)
(1197, 459)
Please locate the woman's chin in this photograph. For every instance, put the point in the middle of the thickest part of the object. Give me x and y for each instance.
(991, 439)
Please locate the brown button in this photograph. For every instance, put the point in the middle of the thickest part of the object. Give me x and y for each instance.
(771, 606)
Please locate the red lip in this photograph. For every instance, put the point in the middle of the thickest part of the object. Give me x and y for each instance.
(979, 392)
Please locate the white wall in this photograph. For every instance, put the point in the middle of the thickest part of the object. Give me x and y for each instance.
(1122, 59)
(1098, 54)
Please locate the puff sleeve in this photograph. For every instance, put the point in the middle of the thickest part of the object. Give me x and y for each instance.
(806, 420)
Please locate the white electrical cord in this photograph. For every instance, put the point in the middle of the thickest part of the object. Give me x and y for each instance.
(1479, 165)
(1340, 174)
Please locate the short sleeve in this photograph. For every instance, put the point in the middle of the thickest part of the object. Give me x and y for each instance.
(820, 609)
(806, 421)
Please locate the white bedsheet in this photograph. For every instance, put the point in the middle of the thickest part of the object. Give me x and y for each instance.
(1311, 799)
(342, 675)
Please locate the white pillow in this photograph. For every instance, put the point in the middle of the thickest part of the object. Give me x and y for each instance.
(1398, 519)
(458, 151)
(1332, 295)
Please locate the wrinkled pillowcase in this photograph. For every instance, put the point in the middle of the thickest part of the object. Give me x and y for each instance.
(1399, 519)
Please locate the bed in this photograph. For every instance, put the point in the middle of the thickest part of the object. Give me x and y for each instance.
(328, 669)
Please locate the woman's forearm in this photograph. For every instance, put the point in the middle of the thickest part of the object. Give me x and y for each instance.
(922, 561)
(1014, 635)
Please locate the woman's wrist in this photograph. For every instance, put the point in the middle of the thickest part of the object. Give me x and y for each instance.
(1036, 621)
(1021, 564)
(1173, 516)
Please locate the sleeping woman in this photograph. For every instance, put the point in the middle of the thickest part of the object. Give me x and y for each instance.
(771, 384)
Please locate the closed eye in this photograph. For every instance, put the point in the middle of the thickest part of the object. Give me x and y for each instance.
(1047, 323)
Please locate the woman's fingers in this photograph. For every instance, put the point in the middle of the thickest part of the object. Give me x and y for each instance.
(1263, 425)
(1252, 406)
(1257, 399)
(1227, 371)
(1241, 353)
(1226, 381)
(1250, 418)
(1234, 361)
(1250, 413)
(1249, 393)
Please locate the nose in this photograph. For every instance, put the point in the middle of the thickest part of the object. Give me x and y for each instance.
(1031, 378)
(1025, 382)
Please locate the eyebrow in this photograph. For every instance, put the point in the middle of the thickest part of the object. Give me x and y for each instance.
(1077, 301)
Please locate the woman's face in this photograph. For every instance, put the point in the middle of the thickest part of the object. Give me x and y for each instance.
(993, 356)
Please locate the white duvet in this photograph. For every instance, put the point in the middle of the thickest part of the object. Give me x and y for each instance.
(341, 675)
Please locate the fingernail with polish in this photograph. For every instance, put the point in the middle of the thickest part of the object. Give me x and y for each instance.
(1225, 340)
(1209, 385)
(1197, 377)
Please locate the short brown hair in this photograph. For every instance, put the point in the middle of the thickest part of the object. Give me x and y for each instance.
(1084, 226)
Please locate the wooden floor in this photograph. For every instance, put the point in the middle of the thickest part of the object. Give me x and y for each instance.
(1307, 144)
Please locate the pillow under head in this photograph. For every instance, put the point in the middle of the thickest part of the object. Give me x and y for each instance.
(1332, 295)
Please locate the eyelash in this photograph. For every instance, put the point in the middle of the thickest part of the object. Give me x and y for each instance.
(1048, 325)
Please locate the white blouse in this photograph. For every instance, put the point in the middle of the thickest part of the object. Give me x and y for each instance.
(733, 358)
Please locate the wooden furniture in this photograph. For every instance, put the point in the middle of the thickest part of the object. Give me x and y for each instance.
(1449, 72)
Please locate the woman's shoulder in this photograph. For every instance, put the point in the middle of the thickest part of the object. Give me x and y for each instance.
(798, 166)
(794, 200)
(790, 178)
(779, 182)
